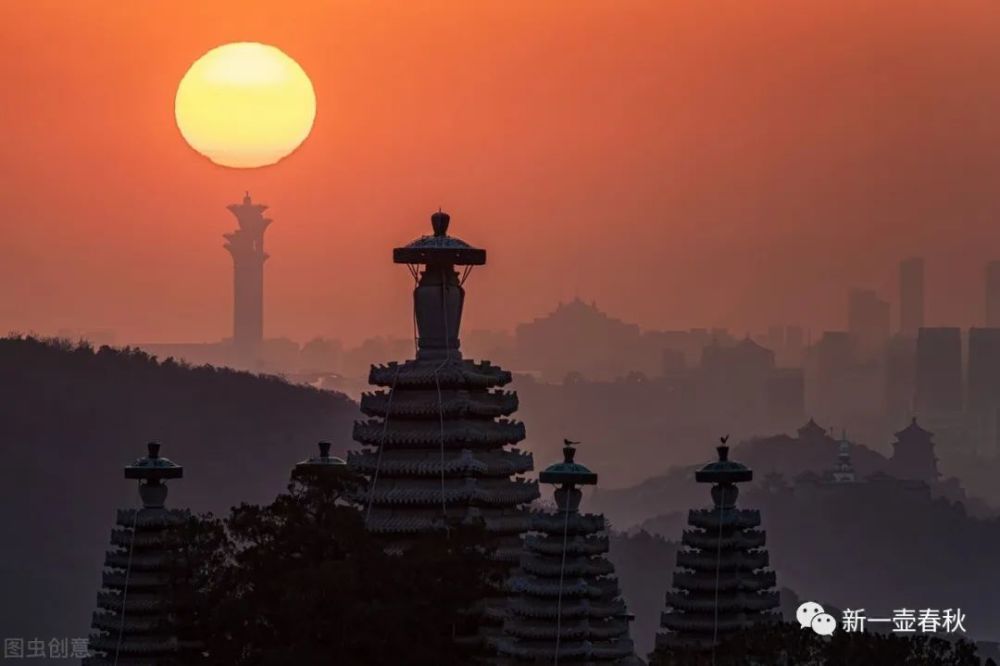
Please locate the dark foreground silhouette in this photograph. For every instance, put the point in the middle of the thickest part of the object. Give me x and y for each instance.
(71, 415)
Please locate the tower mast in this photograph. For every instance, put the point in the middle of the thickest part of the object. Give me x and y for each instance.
(246, 245)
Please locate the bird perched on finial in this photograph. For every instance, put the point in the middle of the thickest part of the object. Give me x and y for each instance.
(724, 439)
(570, 442)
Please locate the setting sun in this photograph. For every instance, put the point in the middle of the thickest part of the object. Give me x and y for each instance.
(245, 105)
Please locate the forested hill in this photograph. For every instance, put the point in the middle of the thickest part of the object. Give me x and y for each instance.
(72, 416)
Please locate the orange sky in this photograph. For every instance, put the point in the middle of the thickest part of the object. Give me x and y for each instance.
(683, 163)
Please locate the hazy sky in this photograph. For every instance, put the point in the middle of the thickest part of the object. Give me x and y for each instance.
(683, 163)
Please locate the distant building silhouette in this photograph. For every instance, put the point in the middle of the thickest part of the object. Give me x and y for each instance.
(939, 371)
(722, 584)
(246, 245)
(983, 395)
(913, 456)
(900, 377)
(993, 294)
(138, 619)
(435, 446)
(911, 296)
(868, 322)
(565, 605)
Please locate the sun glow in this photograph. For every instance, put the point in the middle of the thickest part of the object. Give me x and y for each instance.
(245, 105)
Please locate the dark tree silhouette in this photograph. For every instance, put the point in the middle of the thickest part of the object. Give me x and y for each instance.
(300, 581)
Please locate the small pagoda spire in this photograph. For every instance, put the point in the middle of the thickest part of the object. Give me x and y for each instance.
(565, 605)
(136, 619)
(722, 584)
(844, 471)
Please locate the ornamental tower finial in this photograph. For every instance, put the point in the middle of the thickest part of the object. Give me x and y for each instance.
(439, 297)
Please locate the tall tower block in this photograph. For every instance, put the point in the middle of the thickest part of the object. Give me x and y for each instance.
(993, 294)
(246, 245)
(911, 296)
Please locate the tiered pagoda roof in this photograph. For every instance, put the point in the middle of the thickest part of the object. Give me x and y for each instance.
(565, 604)
(437, 446)
(137, 621)
(722, 584)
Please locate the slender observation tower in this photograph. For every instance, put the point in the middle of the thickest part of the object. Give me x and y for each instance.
(437, 443)
(722, 584)
(140, 607)
(246, 245)
(565, 605)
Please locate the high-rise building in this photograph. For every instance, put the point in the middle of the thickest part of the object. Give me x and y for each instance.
(938, 373)
(993, 294)
(565, 604)
(138, 619)
(867, 322)
(246, 245)
(983, 384)
(436, 444)
(911, 296)
(722, 584)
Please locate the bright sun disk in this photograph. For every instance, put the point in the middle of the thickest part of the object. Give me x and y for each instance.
(245, 105)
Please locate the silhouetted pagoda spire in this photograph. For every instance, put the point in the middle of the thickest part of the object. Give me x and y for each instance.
(436, 443)
(565, 604)
(138, 617)
(722, 584)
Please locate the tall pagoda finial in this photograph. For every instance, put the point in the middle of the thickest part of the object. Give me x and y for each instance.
(439, 222)
(323, 463)
(151, 471)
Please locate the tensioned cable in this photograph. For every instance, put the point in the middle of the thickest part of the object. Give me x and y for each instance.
(437, 384)
(562, 576)
(128, 571)
(718, 565)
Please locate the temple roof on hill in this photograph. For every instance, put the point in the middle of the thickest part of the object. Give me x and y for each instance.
(811, 429)
(914, 431)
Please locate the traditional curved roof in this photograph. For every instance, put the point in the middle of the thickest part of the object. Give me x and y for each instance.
(573, 566)
(740, 601)
(711, 518)
(432, 492)
(407, 520)
(428, 403)
(723, 561)
(425, 462)
(590, 544)
(727, 581)
(577, 523)
(454, 433)
(703, 539)
(430, 373)
(914, 431)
